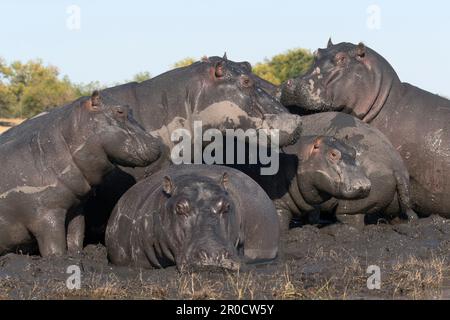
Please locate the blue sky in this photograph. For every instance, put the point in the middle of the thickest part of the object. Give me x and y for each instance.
(117, 39)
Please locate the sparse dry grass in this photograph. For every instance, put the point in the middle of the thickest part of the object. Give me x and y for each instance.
(416, 278)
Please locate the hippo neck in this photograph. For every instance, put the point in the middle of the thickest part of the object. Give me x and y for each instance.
(82, 146)
(387, 87)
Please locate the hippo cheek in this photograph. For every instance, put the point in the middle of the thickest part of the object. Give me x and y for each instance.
(227, 115)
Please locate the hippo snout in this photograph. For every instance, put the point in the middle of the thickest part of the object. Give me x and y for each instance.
(356, 189)
(289, 126)
(224, 259)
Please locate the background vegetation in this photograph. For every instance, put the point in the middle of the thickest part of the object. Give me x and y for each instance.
(29, 88)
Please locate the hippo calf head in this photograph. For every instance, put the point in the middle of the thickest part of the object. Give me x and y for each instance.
(199, 220)
(235, 98)
(122, 139)
(327, 169)
(344, 77)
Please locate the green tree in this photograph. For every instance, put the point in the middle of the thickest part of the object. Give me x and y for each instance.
(142, 76)
(284, 66)
(27, 89)
(184, 63)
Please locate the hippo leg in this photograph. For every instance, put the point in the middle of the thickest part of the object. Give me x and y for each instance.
(75, 234)
(50, 232)
(404, 198)
(285, 217)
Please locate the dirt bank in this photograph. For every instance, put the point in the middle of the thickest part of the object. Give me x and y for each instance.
(314, 263)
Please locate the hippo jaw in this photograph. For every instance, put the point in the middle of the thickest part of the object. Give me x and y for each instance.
(205, 258)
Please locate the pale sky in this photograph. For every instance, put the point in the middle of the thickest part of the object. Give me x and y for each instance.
(118, 39)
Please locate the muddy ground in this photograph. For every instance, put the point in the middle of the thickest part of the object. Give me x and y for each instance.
(314, 263)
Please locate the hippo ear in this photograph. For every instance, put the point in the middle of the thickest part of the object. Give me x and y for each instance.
(95, 98)
(225, 56)
(330, 43)
(361, 50)
(205, 59)
(167, 185)
(92, 104)
(224, 180)
(220, 71)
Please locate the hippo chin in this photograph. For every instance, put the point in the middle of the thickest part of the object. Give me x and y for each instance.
(50, 164)
(220, 93)
(354, 79)
(193, 216)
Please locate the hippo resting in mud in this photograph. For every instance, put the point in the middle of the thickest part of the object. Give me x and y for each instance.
(51, 162)
(193, 215)
(339, 166)
(221, 93)
(356, 80)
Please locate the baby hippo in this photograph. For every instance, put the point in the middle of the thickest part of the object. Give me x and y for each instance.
(312, 165)
(193, 216)
(50, 164)
(315, 170)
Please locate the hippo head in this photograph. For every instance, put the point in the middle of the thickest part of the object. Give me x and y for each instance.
(344, 77)
(233, 97)
(200, 222)
(328, 168)
(122, 139)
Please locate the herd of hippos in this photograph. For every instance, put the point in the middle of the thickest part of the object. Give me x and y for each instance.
(354, 140)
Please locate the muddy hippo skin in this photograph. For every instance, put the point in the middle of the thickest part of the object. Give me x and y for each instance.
(193, 215)
(219, 92)
(51, 162)
(355, 79)
(331, 170)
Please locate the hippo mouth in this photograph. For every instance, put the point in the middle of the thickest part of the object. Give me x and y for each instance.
(223, 260)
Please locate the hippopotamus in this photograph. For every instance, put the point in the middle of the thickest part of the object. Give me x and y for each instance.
(193, 216)
(340, 166)
(219, 92)
(355, 79)
(50, 164)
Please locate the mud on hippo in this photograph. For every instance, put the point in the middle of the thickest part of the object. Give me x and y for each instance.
(339, 166)
(220, 93)
(50, 164)
(193, 216)
(354, 79)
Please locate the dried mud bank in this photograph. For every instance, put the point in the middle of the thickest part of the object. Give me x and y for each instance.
(314, 263)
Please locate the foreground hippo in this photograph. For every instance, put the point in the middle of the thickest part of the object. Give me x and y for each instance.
(355, 170)
(193, 215)
(51, 162)
(356, 80)
(220, 93)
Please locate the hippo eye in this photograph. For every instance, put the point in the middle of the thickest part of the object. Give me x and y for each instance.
(316, 146)
(182, 207)
(335, 155)
(222, 207)
(246, 82)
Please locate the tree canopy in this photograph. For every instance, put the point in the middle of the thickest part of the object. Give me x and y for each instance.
(284, 66)
(27, 89)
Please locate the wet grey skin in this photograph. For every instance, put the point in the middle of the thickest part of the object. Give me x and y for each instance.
(329, 171)
(50, 164)
(193, 216)
(217, 91)
(355, 79)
